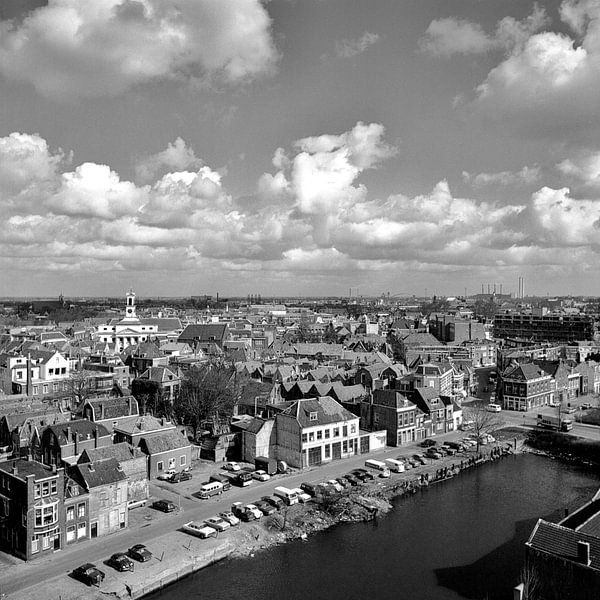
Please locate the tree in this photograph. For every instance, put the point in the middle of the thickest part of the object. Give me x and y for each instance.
(150, 398)
(330, 337)
(482, 421)
(208, 392)
(78, 386)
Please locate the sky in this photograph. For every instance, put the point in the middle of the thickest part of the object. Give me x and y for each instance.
(299, 147)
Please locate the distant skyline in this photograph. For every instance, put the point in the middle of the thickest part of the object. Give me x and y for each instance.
(299, 147)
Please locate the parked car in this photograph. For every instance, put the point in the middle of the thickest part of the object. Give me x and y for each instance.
(120, 561)
(181, 476)
(217, 523)
(166, 475)
(428, 443)
(586, 405)
(276, 501)
(419, 459)
(140, 553)
(232, 466)
(351, 479)
(432, 453)
(309, 488)
(266, 508)
(242, 513)
(199, 530)
(343, 482)
(254, 510)
(230, 518)
(89, 574)
(261, 475)
(363, 474)
(455, 445)
(336, 485)
(164, 505)
(406, 461)
(303, 497)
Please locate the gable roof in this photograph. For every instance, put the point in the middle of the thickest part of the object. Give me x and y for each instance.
(145, 423)
(204, 333)
(114, 408)
(121, 452)
(162, 442)
(326, 408)
(99, 473)
(82, 427)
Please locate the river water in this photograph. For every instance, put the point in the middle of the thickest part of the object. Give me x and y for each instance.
(460, 539)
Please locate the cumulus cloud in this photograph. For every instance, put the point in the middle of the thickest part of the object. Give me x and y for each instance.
(548, 86)
(348, 48)
(526, 175)
(312, 216)
(585, 168)
(449, 36)
(69, 48)
(176, 157)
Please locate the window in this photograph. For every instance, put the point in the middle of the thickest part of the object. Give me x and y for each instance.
(353, 428)
(336, 431)
(35, 544)
(50, 371)
(81, 510)
(182, 460)
(344, 446)
(160, 466)
(46, 488)
(313, 416)
(70, 513)
(71, 533)
(319, 434)
(37, 491)
(46, 515)
(81, 530)
(345, 430)
(45, 542)
(45, 388)
(304, 438)
(35, 390)
(53, 486)
(327, 451)
(327, 433)
(311, 436)
(172, 462)
(55, 387)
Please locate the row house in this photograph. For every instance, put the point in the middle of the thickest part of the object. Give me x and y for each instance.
(526, 386)
(110, 412)
(565, 379)
(589, 381)
(438, 410)
(63, 443)
(316, 430)
(393, 412)
(438, 376)
(32, 508)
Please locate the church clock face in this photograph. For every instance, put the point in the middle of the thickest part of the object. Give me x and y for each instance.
(129, 311)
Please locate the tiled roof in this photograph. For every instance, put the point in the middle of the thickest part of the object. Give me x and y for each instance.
(121, 452)
(81, 426)
(326, 408)
(561, 542)
(145, 423)
(162, 442)
(114, 407)
(103, 472)
(204, 332)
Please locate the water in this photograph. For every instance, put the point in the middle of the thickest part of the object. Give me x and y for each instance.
(461, 539)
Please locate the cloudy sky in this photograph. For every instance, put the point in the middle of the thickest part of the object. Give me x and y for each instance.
(186, 147)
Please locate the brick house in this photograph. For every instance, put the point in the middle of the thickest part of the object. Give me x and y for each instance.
(395, 413)
(167, 450)
(109, 412)
(316, 430)
(439, 409)
(526, 386)
(32, 507)
(77, 512)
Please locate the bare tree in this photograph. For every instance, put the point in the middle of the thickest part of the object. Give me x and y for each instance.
(482, 421)
(79, 388)
(530, 580)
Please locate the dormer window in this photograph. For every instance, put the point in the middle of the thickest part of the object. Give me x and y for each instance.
(313, 416)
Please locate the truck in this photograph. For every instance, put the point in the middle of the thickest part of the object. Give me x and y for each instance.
(554, 422)
(263, 463)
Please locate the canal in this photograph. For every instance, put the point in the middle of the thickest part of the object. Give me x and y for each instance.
(460, 539)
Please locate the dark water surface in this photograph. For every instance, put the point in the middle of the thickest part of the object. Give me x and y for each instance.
(459, 539)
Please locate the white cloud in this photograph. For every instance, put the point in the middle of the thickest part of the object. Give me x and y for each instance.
(526, 175)
(176, 157)
(585, 168)
(70, 48)
(449, 36)
(349, 48)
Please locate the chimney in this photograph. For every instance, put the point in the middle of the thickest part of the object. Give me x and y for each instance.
(130, 403)
(69, 434)
(95, 437)
(101, 411)
(583, 553)
(76, 443)
(15, 470)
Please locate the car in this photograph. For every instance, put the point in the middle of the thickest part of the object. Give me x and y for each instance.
(427, 443)
(406, 461)
(164, 505)
(309, 488)
(120, 561)
(166, 475)
(89, 573)
(181, 476)
(432, 453)
(199, 529)
(414, 460)
(586, 405)
(336, 485)
(254, 510)
(275, 501)
(217, 523)
(140, 553)
(230, 518)
(363, 474)
(232, 466)
(419, 459)
(303, 497)
(261, 475)
(458, 446)
(242, 513)
(343, 482)
(351, 479)
(266, 508)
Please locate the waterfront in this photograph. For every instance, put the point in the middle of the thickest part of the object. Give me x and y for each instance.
(459, 539)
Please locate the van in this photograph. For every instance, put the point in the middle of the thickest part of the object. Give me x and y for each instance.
(288, 496)
(395, 465)
(243, 479)
(224, 481)
(214, 488)
(378, 466)
(491, 407)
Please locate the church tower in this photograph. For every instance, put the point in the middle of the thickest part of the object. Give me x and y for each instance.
(130, 308)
